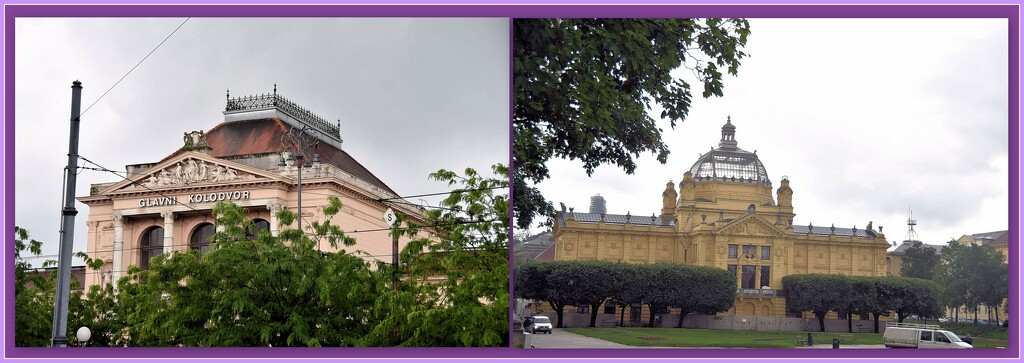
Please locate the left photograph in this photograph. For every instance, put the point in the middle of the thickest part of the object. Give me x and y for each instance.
(260, 182)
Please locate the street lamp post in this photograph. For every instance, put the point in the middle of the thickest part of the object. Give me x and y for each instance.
(299, 142)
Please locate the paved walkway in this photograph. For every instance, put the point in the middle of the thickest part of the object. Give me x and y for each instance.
(562, 339)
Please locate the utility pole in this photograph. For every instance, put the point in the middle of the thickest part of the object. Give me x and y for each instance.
(67, 229)
(392, 220)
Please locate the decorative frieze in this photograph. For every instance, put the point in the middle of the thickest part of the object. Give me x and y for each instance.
(192, 171)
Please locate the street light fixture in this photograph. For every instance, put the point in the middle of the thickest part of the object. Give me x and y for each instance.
(298, 142)
(83, 334)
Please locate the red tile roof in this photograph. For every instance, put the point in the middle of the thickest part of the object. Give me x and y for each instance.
(263, 136)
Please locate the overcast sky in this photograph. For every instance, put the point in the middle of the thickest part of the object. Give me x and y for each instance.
(868, 118)
(413, 95)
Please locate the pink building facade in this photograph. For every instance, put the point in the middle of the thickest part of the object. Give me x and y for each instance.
(165, 206)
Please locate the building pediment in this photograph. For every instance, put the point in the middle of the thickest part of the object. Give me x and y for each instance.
(190, 169)
(750, 225)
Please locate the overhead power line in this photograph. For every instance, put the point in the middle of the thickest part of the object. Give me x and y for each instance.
(442, 193)
(133, 68)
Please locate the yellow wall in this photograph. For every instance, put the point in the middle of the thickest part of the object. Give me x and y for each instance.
(711, 215)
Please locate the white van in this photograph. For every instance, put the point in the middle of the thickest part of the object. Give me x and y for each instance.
(906, 335)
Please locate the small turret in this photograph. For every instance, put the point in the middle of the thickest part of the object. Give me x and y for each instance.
(785, 193)
(668, 200)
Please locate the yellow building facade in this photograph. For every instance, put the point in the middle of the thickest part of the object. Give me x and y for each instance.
(724, 214)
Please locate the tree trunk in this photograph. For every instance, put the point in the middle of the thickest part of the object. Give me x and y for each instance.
(900, 316)
(821, 320)
(622, 314)
(975, 314)
(558, 312)
(849, 322)
(876, 323)
(650, 320)
(593, 314)
(997, 316)
(682, 314)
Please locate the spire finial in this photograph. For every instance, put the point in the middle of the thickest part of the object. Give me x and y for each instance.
(728, 135)
(275, 88)
(228, 96)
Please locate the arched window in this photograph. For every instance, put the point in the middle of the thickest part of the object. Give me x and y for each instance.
(258, 225)
(201, 237)
(152, 245)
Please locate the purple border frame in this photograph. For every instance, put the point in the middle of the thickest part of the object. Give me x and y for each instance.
(1009, 12)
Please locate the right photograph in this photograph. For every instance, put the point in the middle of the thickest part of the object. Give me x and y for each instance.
(761, 183)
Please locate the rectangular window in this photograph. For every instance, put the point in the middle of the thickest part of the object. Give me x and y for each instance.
(766, 276)
(749, 251)
(747, 279)
(732, 268)
(609, 307)
(926, 336)
(734, 251)
(766, 252)
(583, 309)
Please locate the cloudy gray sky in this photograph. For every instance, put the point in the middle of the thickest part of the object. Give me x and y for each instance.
(413, 95)
(868, 118)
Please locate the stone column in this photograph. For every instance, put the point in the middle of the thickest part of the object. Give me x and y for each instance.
(757, 276)
(168, 231)
(118, 246)
(274, 207)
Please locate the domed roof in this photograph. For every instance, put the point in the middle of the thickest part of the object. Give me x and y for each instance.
(730, 163)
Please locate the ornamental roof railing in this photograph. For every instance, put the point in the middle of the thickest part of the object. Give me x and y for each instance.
(265, 101)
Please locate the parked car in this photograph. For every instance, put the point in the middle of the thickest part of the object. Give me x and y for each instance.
(537, 324)
(906, 335)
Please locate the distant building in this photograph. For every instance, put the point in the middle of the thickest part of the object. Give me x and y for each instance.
(597, 205)
(724, 215)
(165, 206)
(894, 258)
(77, 274)
(533, 247)
(998, 240)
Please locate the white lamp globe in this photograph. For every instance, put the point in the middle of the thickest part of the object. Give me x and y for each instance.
(83, 334)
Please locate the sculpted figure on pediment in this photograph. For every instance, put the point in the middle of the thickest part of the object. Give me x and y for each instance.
(192, 171)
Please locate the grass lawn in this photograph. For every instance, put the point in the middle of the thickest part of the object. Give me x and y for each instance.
(676, 337)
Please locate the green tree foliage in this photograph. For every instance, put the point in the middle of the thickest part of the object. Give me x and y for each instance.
(456, 292)
(695, 289)
(662, 288)
(33, 295)
(907, 296)
(919, 262)
(629, 288)
(972, 276)
(862, 298)
(817, 293)
(953, 274)
(263, 291)
(707, 290)
(584, 87)
(96, 309)
(861, 294)
(284, 291)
